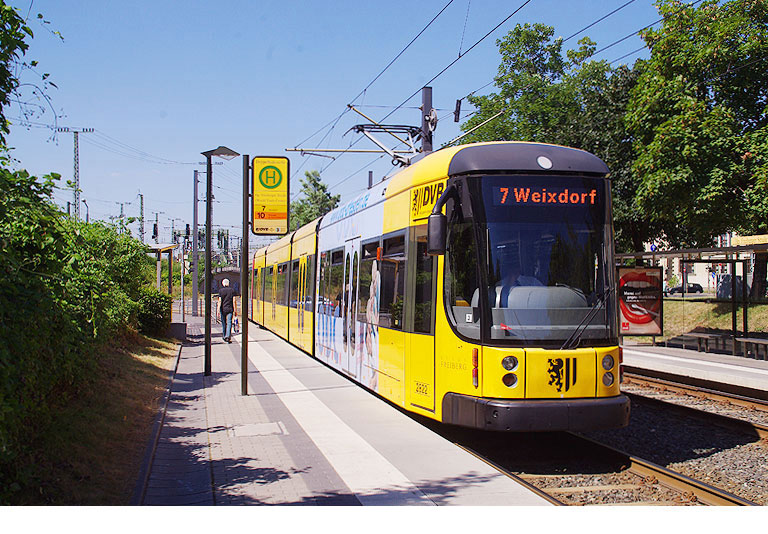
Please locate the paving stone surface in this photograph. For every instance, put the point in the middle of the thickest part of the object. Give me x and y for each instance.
(218, 447)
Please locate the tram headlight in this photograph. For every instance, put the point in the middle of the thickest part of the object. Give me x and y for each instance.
(509, 363)
(608, 379)
(608, 362)
(510, 380)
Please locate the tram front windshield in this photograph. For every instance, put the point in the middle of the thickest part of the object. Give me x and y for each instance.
(543, 245)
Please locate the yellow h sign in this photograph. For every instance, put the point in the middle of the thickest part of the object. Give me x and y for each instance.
(271, 191)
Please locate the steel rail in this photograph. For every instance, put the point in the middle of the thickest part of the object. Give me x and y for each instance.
(710, 386)
(704, 493)
(721, 396)
(700, 492)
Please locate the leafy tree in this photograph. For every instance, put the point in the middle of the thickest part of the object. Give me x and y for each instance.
(316, 201)
(13, 33)
(534, 90)
(699, 119)
(66, 288)
(569, 100)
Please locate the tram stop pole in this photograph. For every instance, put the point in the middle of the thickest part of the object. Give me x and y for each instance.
(244, 272)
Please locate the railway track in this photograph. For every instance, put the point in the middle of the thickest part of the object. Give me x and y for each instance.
(736, 412)
(623, 480)
(573, 469)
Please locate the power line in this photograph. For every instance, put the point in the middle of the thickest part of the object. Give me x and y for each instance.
(579, 32)
(400, 106)
(644, 28)
(403, 51)
(452, 63)
(118, 152)
(346, 109)
(598, 21)
(158, 159)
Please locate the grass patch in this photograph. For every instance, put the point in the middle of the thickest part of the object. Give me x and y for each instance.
(92, 452)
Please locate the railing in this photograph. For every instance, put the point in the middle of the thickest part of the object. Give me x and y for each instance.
(180, 313)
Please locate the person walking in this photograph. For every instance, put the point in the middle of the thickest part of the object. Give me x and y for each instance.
(227, 309)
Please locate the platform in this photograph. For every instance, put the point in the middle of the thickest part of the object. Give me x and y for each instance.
(700, 368)
(304, 435)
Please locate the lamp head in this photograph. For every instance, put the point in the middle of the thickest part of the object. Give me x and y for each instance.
(221, 152)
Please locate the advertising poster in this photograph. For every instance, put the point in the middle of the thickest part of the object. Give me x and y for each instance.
(640, 304)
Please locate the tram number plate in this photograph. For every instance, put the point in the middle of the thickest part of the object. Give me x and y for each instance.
(422, 388)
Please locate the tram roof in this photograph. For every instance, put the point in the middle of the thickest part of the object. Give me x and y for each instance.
(308, 229)
(495, 156)
(280, 243)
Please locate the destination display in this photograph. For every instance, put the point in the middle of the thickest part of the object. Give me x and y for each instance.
(511, 195)
(270, 186)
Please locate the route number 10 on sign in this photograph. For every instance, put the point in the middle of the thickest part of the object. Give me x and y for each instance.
(270, 186)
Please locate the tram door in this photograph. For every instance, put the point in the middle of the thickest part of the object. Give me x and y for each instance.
(301, 284)
(301, 304)
(351, 358)
(421, 344)
(273, 283)
(257, 297)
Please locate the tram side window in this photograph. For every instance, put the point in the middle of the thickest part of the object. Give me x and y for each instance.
(293, 300)
(331, 277)
(325, 275)
(392, 283)
(281, 289)
(268, 283)
(335, 282)
(369, 285)
(423, 298)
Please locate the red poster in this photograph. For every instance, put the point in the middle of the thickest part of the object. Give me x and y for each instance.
(640, 301)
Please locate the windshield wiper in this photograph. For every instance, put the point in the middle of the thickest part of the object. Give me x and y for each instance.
(575, 337)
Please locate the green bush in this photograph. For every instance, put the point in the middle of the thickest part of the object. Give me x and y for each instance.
(104, 271)
(154, 312)
(66, 289)
(42, 348)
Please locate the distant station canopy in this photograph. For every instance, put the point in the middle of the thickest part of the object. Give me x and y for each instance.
(159, 249)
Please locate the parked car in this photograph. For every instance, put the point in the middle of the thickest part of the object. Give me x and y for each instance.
(690, 288)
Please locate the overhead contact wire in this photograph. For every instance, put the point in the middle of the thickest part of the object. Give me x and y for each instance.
(441, 72)
(336, 120)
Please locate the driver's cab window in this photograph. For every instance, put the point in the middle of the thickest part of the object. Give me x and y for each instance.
(461, 280)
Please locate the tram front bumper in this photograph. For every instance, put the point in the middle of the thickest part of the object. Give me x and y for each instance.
(540, 415)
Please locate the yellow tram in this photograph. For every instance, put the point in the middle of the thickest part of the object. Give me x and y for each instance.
(474, 287)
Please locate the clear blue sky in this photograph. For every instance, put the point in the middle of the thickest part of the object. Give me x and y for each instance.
(162, 81)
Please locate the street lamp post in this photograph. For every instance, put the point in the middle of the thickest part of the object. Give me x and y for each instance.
(244, 272)
(195, 289)
(225, 153)
(86, 211)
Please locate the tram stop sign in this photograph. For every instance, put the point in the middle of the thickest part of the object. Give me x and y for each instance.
(270, 186)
